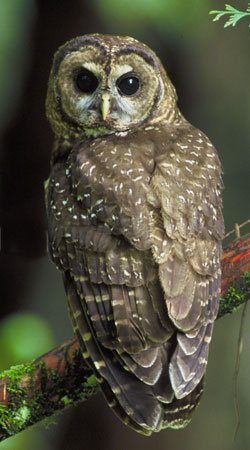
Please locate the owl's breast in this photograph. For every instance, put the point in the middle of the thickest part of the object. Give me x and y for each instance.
(111, 179)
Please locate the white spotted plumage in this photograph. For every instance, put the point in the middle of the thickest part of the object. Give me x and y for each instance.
(135, 226)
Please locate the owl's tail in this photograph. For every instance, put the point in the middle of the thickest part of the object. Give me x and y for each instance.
(139, 392)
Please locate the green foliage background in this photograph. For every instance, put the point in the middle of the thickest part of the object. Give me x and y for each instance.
(210, 68)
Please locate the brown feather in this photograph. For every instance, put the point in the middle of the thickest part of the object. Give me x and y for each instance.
(135, 226)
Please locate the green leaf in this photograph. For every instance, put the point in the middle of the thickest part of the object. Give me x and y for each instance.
(235, 15)
(219, 14)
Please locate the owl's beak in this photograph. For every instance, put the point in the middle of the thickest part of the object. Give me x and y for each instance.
(105, 105)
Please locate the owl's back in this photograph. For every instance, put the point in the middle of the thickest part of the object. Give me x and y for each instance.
(134, 224)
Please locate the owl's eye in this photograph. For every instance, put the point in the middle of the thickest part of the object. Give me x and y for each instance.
(86, 81)
(128, 84)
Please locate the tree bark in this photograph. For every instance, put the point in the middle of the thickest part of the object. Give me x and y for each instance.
(31, 392)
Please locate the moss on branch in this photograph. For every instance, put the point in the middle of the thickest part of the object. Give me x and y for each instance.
(35, 391)
(236, 296)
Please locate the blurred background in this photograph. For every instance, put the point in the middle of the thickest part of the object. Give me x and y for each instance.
(210, 68)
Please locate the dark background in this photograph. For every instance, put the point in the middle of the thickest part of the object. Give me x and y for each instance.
(209, 66)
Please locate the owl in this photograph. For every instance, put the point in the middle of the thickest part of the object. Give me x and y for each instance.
(135, 226)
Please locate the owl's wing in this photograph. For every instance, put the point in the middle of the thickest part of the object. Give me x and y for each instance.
(110, 308)
(185, 190)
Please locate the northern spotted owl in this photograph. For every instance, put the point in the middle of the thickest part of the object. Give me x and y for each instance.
(135, 226)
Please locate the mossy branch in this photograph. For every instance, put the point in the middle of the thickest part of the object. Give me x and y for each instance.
(35, 391)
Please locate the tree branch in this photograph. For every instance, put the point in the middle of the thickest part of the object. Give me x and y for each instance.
(32, 392)
(235, 284)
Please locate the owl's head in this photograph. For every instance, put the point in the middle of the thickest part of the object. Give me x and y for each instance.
(101, 84)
